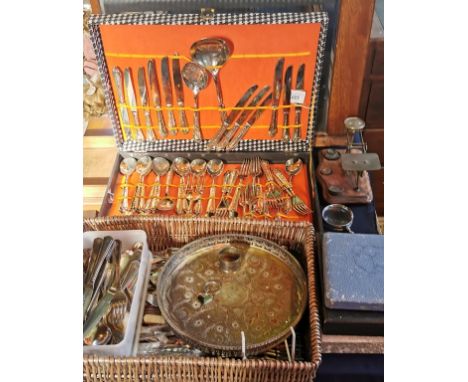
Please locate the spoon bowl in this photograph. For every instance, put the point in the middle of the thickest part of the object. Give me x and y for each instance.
(103, 335)
(195, 77)
(211, 53)
(181, 166)
(198, 166)
(215, 167)
(161, 166)
(293, 166)
(127, 166)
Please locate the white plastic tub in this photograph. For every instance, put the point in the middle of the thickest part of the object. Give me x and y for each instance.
(128, 346)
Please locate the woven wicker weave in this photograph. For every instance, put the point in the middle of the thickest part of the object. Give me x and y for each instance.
(164, 232)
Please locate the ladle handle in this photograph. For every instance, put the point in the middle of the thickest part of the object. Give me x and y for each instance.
(349, 229)
(219, 94)
(197, 135)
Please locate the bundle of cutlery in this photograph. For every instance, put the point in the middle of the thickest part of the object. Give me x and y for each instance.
(253, 188)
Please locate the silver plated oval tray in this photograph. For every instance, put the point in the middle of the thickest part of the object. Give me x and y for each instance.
(215, 288)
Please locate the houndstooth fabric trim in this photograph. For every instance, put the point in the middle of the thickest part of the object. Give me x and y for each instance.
(189, 145)
(219, 19)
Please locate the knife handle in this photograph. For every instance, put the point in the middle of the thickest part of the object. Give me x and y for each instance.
(183, 119)
(215, 140)
(225, 141)
(286, 125)
(139, 133)
(162, 129)
(149, 127)
(126, 121)
(297, 121)
(239, 136)
(274, 123)
(172, 121)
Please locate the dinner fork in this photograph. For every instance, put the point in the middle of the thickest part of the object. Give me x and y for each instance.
(298, 204)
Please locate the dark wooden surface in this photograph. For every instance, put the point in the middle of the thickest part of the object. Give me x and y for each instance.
(372, 107)
(354, 28)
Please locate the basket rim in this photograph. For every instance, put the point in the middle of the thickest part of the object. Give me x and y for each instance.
(314, 320)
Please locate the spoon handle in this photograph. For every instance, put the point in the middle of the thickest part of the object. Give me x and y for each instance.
(211, 207)
(156, 192)
(180, 197)
(197, 135)
(219, 94)
(124, 204)
(170, 175)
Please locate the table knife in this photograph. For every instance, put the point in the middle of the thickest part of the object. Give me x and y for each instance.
(117, 73)
(277, 85)
(167, 86)
(231, 117)
(130, 90)
(250, 122)
(287, 102)
(105, 251)
(179, 89)
(298, 109)
(155, 92)
(225, 141)
(144, 102)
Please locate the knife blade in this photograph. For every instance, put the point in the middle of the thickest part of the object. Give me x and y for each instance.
(287, 102)
(179, 90)
(225, 141)
(154, 88)
(117, 73)
(298, 109)
(250, 122)
(277, 85)
(144, 102)
(130, 90)
(167, 86)
(232, 115)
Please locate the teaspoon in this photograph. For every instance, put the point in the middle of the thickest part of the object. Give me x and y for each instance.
(293, 166)
(127, 167)
(160, 167)
(143, 167)
(212, 53)
(182, 168)
(196, 78)
(198, 168)
(215, 168)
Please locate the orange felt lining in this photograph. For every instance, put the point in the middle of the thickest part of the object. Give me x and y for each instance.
(256, 51)
(300, 186)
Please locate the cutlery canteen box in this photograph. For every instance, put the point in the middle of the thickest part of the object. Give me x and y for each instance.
(256, 41)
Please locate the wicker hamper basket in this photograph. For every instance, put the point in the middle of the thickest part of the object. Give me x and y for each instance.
(166, 232)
